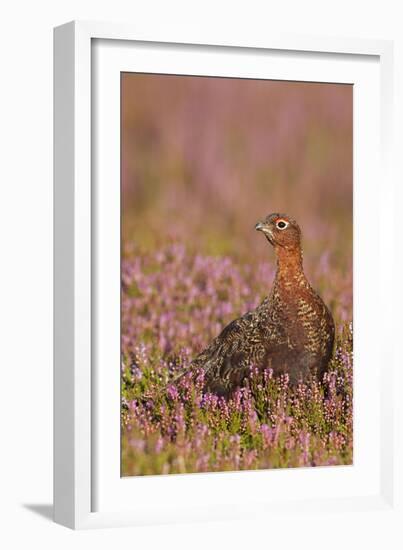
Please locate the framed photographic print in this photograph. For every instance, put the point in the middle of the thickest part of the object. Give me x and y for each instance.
(219, 243)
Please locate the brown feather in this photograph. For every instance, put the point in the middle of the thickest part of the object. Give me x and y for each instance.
(291, 331)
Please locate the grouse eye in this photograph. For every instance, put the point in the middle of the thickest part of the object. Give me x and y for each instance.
(281, 224)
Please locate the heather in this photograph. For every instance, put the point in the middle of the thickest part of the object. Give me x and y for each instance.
(173, 304)
(202, 161)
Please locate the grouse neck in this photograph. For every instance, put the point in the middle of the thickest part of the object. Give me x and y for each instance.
(289, 265)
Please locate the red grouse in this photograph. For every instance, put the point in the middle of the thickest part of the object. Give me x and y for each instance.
(291, 331)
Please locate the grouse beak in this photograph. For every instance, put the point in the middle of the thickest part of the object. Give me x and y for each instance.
(266, 230)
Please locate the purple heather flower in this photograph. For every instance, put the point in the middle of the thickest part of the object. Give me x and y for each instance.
(172, 393)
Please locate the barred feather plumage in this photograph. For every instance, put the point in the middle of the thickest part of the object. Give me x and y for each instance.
(291, 331)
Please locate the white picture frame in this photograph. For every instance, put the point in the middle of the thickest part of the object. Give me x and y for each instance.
(88, 490)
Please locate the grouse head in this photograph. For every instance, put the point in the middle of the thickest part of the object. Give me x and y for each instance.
(281, 231)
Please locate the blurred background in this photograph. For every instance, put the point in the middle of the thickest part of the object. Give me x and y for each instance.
(204, 158)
